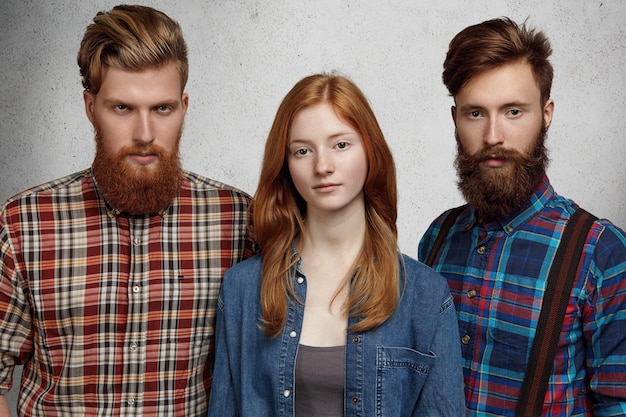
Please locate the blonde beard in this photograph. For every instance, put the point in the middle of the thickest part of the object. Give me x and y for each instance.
(137, 189)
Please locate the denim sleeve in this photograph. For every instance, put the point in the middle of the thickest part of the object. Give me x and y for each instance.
(443, 392)
(605, 324)
(222, 399)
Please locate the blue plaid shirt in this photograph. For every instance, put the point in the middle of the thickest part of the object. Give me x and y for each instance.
(497, 275)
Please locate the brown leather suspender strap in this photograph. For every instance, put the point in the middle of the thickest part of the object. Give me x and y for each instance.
(558, 291)
(443, 232)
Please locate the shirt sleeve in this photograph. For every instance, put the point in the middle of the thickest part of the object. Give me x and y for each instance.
(427, 241)
(605, 323)
(15, 315)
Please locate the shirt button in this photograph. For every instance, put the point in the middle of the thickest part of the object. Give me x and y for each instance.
(293, 334)
(465, 339)
(130, 401)
(133, 347)
(467, 226)
(136, 241)
(481, 250)
(509, 229)
(136, 289)
(286, 393)
(471, 293)
(300, 280)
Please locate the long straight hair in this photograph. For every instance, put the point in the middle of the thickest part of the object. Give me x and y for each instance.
(279, 211)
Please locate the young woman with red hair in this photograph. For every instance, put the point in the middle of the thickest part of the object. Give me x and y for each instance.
(330, 319)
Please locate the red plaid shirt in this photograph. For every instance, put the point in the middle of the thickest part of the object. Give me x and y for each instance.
(113, 314)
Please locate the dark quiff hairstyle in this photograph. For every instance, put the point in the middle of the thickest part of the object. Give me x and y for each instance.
(495, 43)
(130, 38)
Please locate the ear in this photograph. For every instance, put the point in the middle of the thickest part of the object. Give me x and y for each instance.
(548, 111)
(185, 101)
(453, 114)
(89, 99)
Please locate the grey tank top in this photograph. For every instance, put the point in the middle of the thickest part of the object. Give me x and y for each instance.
(319, 381)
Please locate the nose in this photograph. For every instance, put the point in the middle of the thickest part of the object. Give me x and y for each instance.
(493, 135)
(144, 129)
(324, 164)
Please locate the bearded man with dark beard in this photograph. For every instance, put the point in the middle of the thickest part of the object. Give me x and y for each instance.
(498, 192)
(499, 249)
(110, 276)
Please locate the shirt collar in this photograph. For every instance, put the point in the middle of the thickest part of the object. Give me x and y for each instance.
(115, 212)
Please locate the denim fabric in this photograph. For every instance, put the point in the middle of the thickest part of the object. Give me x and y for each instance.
(408, 366)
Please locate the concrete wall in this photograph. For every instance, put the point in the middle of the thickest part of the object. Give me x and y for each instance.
(245, 56)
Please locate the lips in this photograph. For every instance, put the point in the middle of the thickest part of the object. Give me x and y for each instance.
(495, 161)
(143, 158)
(326, 187)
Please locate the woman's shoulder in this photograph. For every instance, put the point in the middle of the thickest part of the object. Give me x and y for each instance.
(245, 273)
(246, 266)
(420, 275)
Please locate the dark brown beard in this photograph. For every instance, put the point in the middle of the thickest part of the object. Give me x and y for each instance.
(498, 192)
(137, 189)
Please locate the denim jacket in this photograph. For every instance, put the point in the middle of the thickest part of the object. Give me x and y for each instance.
(408, 366)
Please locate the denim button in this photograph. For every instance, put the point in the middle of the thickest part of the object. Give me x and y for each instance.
(293, 334)
(286, 393)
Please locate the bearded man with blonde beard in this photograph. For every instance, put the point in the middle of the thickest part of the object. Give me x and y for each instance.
(110, 276)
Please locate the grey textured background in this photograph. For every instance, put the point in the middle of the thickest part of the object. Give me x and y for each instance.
(245, 56)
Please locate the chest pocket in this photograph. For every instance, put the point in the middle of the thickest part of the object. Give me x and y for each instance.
(400, 373)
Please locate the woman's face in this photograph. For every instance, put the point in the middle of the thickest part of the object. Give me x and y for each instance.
(326, 160)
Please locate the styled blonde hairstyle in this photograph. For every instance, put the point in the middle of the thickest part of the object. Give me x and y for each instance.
(130, 38)
(279, 211)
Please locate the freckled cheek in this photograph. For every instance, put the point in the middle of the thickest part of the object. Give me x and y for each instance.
(295, 171)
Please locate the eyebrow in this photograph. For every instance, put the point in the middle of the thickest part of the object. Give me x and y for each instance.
(470, 106)
(167, 102)
(331, 137)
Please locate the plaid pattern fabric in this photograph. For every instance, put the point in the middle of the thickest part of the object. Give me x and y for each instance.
(497, 275)
(113, 314)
